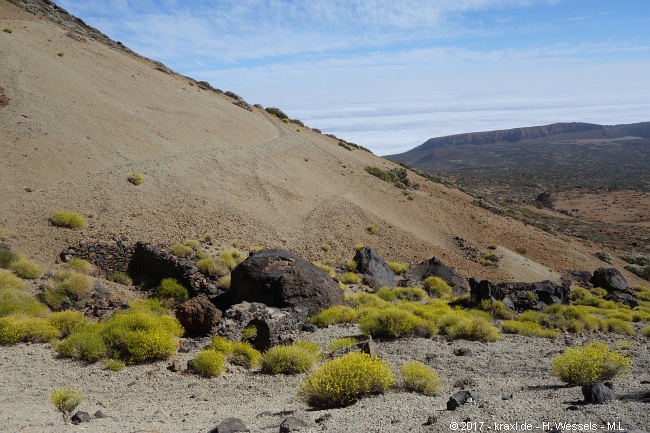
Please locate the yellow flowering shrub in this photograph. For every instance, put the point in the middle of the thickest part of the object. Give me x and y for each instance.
(340, 343)
(587, 364)
(342, 381)
(221, 344)
(529, 329)
(296, 358)
(437, 286)
(398, 268)
(67, 219)
(209, 363)
(15, 329)
(420, 378)
(350, 278)
(334, 315)
(243, 353)
(65, 400)
(393, 323)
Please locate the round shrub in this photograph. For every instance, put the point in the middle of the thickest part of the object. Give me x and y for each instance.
(26, 269)
(221, 344)
(342, 381)
(474, 328)
(122, 278)
(65, 400)
(618, 326)
(386, 294)
(209, 363)
(135, 178)
(350, 278)
(340, 343)
(398, 268)
(7, 258)
(170, 288)
(293, 359)
(437, 286)
(114, 364)
(334, 315)
(67, 321)
(243, 353)
(67, 219)
(67, 289)
(80, 265)
(646, 331)
(328, 269)
(15, 301)
(211, 267)
(15, 329)
(529, 329)
(181, 250)
(393, 322)
(587, 364)
(85, 342)
(410, 293)
(420, 378)
(9, 281)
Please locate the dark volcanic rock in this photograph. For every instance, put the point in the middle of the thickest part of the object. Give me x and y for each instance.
(520, 296)
(623, 298)
(609, 279)
(293, 424)
(598, 392)
(374, 267)
(198, 315)
(279, 278)
(80, 417)
(434, 267)
(230, 425)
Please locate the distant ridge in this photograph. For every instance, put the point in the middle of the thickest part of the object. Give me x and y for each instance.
(509, 135)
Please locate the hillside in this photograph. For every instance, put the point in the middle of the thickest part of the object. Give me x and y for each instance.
(83, 115)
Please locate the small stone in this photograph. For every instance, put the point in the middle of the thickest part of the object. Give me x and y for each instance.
(80, 417)
(431, 420)
(230, 425)
(99, 414)
(599, 392)
(291, 424)
(463, 352)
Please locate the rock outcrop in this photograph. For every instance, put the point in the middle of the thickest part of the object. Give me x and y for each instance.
(375, 270)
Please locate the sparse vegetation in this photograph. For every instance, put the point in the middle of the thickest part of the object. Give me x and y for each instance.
(7, 258)
(122, 278)
(529, 329)
(397, 176)
(521, 251)
(340, 343)
(135, 178)
(26, 269)
(170, 288)
(326, 247)
(350, 278)
(398, 268)
(7, 29)
(420, 378)
(277, 112)
(372, 229)
(65, 400)
(114, 364)
(328, 269)
(587, 364)
(67, 219)
(80, 265)
(342, 381)
(67, 289)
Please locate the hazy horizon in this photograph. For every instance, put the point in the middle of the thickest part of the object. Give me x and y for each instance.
(389, 75)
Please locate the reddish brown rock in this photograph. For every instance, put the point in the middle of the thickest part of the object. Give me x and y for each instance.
(198, 315)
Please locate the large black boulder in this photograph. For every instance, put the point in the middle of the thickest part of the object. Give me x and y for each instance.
(609, 279)
(279, 278)
(374, 268)
(435, 268)
(520, 296)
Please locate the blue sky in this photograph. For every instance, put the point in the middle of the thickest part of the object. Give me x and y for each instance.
(390, 74)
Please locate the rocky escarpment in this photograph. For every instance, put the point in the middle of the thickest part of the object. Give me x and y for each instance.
(508, 135)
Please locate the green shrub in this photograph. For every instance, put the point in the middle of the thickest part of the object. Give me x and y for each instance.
(15, 329)
(521, 251)
(243, 353)
(386, 294)
(646, 331)
(334, 315)
(358, 247)
(180, 250)
(618, 326)
(114, 364)
(587, 364)
(420, 378)
(528, 329)
(326, 247)
(67, 289)
(67, 321)
(473, 329)
(212, 267)
(26, 269)
(437, 286)
(372, 229)
(496, 309)
(7, 258)
(328, 269)
(224, 282)
(398, 267)
(277, 112)
(293, 359)
(7, 29)
(393, 322)
(209, 363)
(65, 400)
(122, 278)
(227, 259)
(249, 333)
(340, 343)
(143, 332)
(256, 248)
(9, 281)
(221, 344)
(170, 288)
(135, 178)
(341, 381)
(67, 219)
(80, 265)
(350, 278)
(410, 293)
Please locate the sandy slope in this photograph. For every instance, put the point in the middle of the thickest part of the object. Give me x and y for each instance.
(79, 123)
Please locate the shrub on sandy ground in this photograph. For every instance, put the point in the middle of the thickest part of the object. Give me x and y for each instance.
(221, 344)
(66, 321)
(340, 343)
(587, 364)
(326, 247)
(9, 281)
(80, 265)
(293, 359)
(65, 400)
(171, 289)
(26, 269)
(619, 326)
(142, 333)
(122, 278)
(528, 329)
(393, 322)
(386, 294)
(334, 315)
(350, 278)
(352, 265)
(114, 364)
(224, 282)
(209, 363)
(420, 378)
(475, 328)
(7, 258)
(410, 293)
(67, 219)
(243, 353)
(328, 269)
(212, 267)
(437, 286)
(398, 267)
(67, 289)
(15, 329)
(7, 29)
(342, 381)
(372, 229)
(14, 301)
(180, 250)
(135, 178)
(646, 331)
(496, 309)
